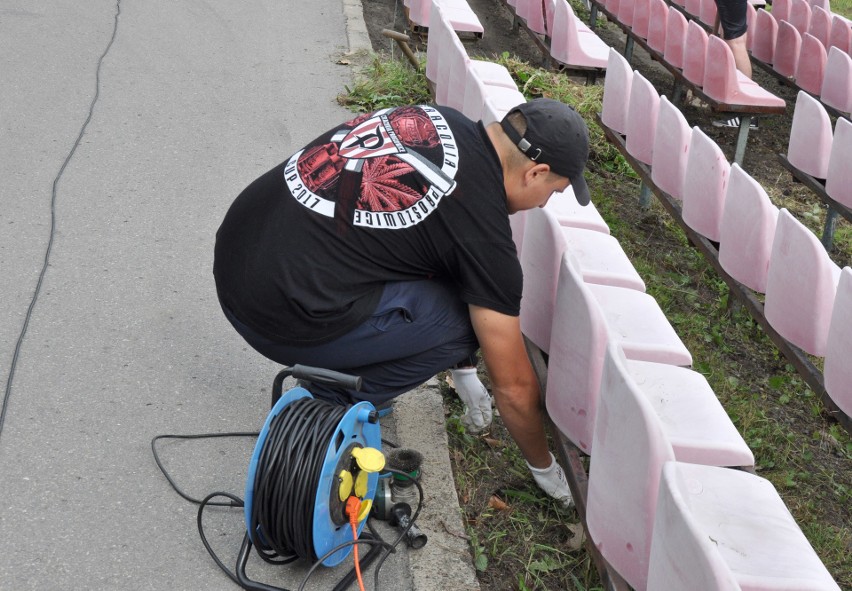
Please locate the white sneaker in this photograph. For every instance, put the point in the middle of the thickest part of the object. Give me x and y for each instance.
(735, 122)
(552, 481)
(477, 401)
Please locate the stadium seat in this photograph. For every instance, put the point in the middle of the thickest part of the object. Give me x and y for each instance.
(676, 25)
(724, 83)
(788, 46)
(781, 10)
(585, 319)
(657, 25)
(836, 88)
(616, 96)
(625, 12)
(708, 12)
(573, 43)
(457, 12)
(532, 11)
(800, 286)
(671, 149)
(488, 103)
(693, 9)
(642, 119)
(641, 18)
(841, 34)
(747, 231)
(705, 185)
(695, 53)
(764, 36)
(821, 25)
(516, 222)
(838, 370)
(800, 15)
(568, 212)
(751, 17)
(811, 137)
(838, 182)
(723, 530)
(810, 68)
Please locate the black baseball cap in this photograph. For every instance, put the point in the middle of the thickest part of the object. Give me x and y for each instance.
(557, 136)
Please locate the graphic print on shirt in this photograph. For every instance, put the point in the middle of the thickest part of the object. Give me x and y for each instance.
(387, 169)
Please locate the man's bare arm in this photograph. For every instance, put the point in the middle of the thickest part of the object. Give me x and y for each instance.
(514, 383)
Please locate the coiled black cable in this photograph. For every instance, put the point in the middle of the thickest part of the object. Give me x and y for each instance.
(287, 475)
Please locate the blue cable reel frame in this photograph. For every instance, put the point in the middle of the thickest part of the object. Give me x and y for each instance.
(355, 429)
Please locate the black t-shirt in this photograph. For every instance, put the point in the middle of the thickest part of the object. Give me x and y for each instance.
(401, 194)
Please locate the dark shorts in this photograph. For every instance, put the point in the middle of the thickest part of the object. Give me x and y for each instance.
(732, 16)
(418, 329)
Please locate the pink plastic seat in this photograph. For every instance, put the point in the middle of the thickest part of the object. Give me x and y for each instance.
(573, 43)
(800, 286)
(724, 83)
(693, 8)
(625, 12)
(800, 15)
(642, 119)
(788, 46)
(461, 68)
(751, 17)
(549, 15)
(708, 12)
(724, 530)
(763, 36)
(630, 448)
(836, 88)
(649, 335)
(568, 212)
(486, 102)
(811, 137)
(532, 11)
(705, 185)
(616, 96)
(824, 4)
(671, 149)
(810, 68)
(676, 26)
(820, 25)
(747, 231)
(781, 10)
(599, 256)
(841, 34)
(435, 46)
(838, 183)
(657, 25)
(457, 12)
(641, 18)
(838, 370)
(582, 327)
(695, 53)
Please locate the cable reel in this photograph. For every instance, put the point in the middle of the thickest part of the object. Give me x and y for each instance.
(351, 462)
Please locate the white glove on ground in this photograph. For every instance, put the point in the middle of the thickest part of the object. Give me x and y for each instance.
(477, 400)
(552, 481)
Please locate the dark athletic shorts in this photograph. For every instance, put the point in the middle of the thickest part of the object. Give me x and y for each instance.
(418, 329)
(732, 16)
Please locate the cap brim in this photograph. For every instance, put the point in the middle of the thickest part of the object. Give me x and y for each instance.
(581, 190)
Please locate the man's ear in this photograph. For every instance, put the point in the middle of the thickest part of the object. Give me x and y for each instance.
(537, 171)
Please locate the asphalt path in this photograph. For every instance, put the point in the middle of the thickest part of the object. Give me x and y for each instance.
(126, 130)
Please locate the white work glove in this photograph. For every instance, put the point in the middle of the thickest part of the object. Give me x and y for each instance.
(477, 400)
(552, 481)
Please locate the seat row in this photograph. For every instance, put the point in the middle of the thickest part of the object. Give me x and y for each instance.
(819, 157)
(702, 63)
(811, 53)
(567, 39)
(458, 13)
(479, 89)
(759, 246)
(618, 387)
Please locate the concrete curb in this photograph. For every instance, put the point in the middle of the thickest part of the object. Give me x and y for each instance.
(445, 562)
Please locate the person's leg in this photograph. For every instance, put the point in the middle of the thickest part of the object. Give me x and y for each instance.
(734, 22)
(418, 329)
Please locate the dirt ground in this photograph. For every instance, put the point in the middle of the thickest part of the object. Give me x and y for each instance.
(749, 364)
